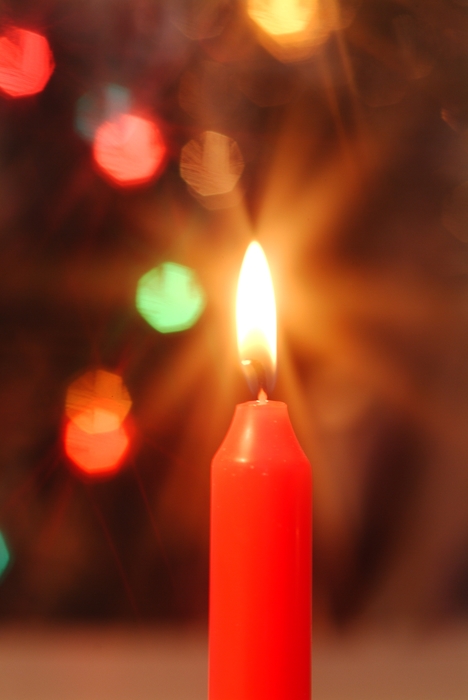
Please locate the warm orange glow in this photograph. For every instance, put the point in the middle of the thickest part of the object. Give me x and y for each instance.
(98, 401)
(97, 420)
(26, 62)
(256, 311)
(211, 164)
(292, 30)
(129, 150)
(96, 454)
(281, 17)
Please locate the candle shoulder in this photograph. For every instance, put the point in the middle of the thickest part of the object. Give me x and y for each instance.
(261, 433)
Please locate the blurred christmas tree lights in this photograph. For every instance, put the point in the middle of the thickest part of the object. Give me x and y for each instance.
(26, 62)
(170, 298)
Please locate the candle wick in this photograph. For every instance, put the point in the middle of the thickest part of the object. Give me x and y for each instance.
(262, 397)
(257, 377)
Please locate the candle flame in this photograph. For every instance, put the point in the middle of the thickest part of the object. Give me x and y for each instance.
(256, 319)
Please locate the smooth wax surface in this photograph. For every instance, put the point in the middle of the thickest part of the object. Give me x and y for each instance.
(260, 566)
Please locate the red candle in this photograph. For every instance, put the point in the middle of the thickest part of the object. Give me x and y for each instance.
(261, 530)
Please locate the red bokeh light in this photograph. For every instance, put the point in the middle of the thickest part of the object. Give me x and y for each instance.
(129, 150)
(26, 62)
(96, 454)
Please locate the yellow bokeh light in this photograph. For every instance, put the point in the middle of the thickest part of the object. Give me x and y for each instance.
(291, 30)
(256, 310)
(282, 17)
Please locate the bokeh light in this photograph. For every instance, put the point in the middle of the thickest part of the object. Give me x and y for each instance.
(96, 454)
(279, 17)
(26, 62)
(170, 297)
(94, 108)
(211, 164)
(129, 150)
(95, 439)
(292, 29)
(98, 401)
(4, 555)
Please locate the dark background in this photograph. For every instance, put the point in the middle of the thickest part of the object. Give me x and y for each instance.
(356, 182)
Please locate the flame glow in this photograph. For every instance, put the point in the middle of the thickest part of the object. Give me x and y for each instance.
(256, 311)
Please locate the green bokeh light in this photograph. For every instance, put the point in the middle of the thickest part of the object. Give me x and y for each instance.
(4, 555)
(170, 298)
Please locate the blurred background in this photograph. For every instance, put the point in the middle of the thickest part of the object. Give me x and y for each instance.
(143, 144)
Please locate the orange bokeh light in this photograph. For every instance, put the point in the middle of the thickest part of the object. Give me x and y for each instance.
(96, 454)
(129, 150)
(26, 62)
(97, 401)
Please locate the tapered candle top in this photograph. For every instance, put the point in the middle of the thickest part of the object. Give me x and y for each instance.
(256, 320)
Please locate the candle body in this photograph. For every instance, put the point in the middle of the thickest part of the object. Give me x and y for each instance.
(260, 560)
